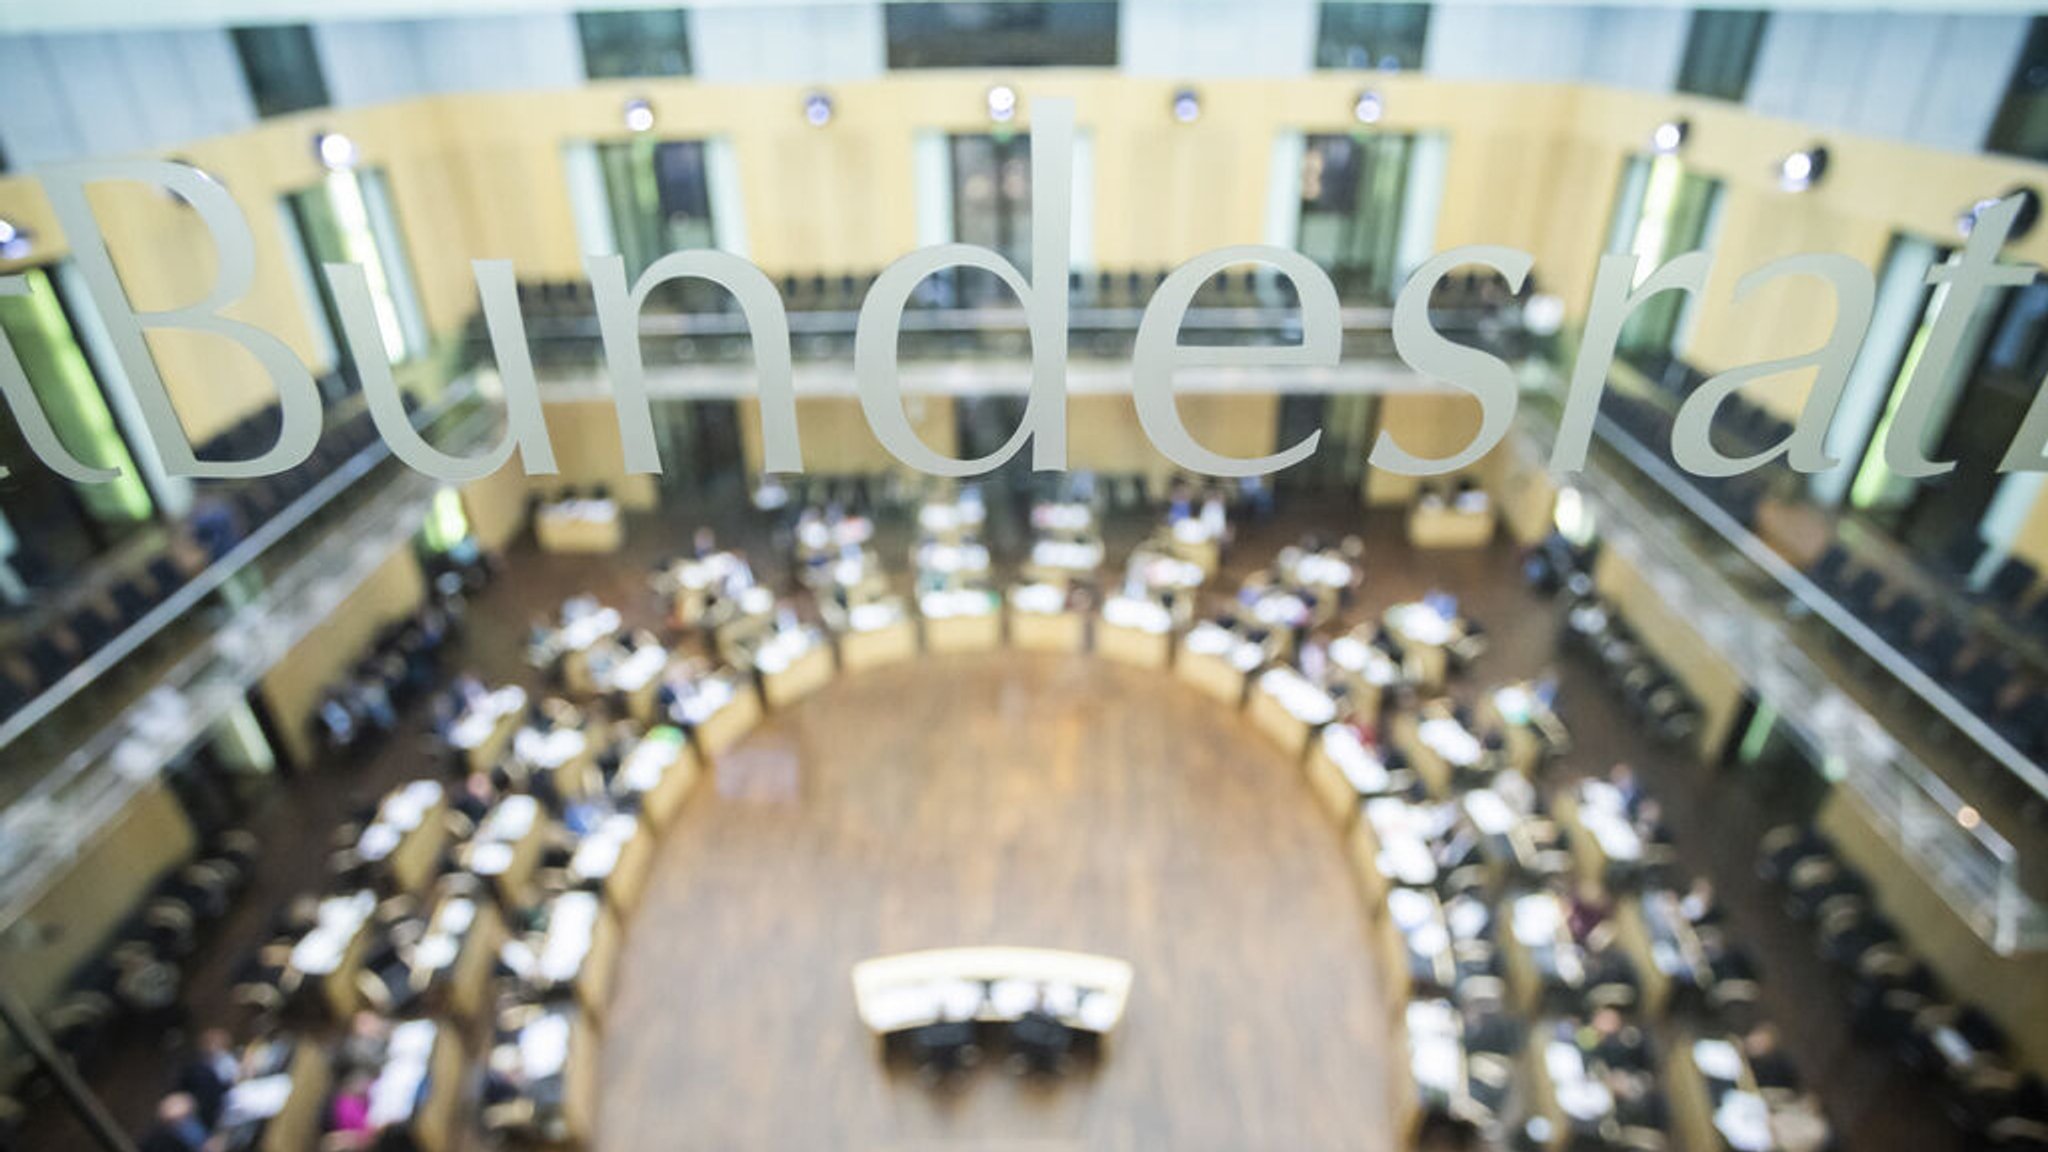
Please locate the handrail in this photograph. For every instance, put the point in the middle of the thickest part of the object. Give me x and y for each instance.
(1969, 864)
(69, 805)
(185, 598)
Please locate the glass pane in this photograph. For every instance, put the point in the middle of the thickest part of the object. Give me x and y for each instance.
(1352, 189)
(660, 202)
(282, 68)
(992, 195)
(70, 396)
(618, 44)
(969, 35)
(1720, 51)
(335, 226)
(2022, 125)
(1355, 35)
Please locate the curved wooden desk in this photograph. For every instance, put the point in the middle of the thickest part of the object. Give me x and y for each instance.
(992, 984)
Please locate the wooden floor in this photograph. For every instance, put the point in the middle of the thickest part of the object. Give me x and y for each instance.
(952, 802)
(1000, 799)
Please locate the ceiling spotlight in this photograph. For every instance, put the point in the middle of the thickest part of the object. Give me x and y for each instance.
(639, 114)
(1802, 170)
(1187, 107)
(817, 109)
(15, 241)
(2023, 221)
(1670, 136)
(1368, 108)
(337, 153)
(1002, 103)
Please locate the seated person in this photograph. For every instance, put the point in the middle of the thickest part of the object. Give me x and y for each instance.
(348, 1113)
(1650, 824)
(209, 1073)
(1608, 1040)
(178, 1127)
(1637, 1101)
(1699, 906)
(1588, 910)
(367, 1041)
(1768, 1063)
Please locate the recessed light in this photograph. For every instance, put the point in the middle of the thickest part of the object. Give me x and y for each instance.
(15, 241)
(337, 152)
(1670, 136)
(1187, 106)
(639, 114)
(1002, 103)
(1368, 108)
(1803, 169)
(817, 109)
(2023, 221)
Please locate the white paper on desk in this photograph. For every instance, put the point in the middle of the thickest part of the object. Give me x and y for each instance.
(490, 859)
(1717, 1060)
(257, 1099)
(1098, 1013)
(1744, 1120)
(1012, 998)
(1536, 920)
(1409, 908)
(1436, 1062)
(544, 1047)
(377, 842)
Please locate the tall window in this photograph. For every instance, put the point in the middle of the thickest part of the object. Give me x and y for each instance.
(1720, 51)
(282, 68)
(1352, 189)
(992, 194)
(1661, 212)
(1069, 33)
(654, 42)
(659, 195)
(2021, 128)
(1358, 35)
(348, 219)
(57, 525)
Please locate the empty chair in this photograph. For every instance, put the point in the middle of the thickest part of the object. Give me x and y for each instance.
(1938, 651)
(1832, 568)
(1960, 558)
(1901, 619)
(1983, 682)
(1860, 594)
(2010, 582)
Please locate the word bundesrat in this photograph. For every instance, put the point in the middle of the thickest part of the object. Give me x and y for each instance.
(1616, 293)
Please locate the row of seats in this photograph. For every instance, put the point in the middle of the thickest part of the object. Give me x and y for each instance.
(401, 664)
(137, 978)
(1653, 695)
(1972, 665)
(1741, 497)
(1942, 642)
(1897, 1000)
(221, 519)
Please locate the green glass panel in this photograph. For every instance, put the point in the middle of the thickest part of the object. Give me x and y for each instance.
(70, 396)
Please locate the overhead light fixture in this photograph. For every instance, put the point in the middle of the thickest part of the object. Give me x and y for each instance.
(1002, 103)
(817, 109)
(1670, 136)
(1803, 169)
(1187, 106)
(2023, 221)
(639, 114)
(15, 241)
(1368, 108)
(337, 153)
